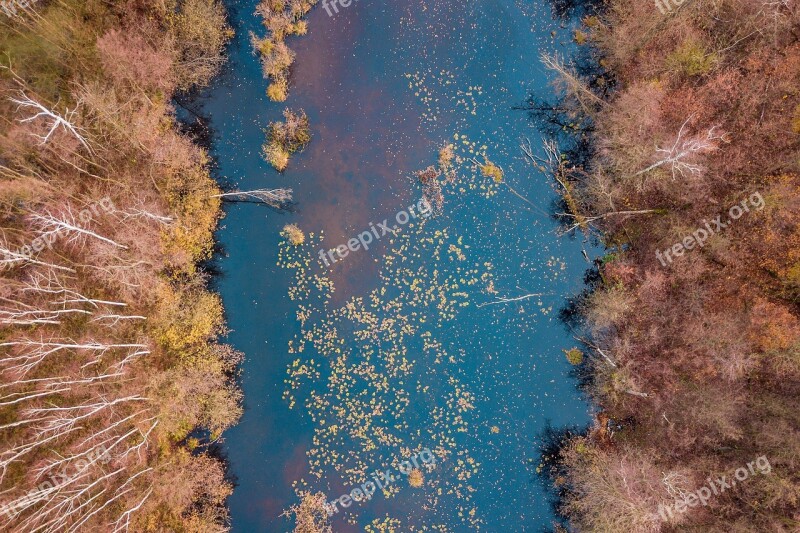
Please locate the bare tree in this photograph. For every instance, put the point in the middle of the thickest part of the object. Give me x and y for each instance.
(575, 87)
(57, 121)
(12, 258)
(50, 225)
(31, 316)
(33, 352)
(274, 197)
(583, 221)
(49, 283)
(680, 158)
(554, 161)
(503, 300)
(777, 13)
(139, 213)
(124, 521)
(113, 320)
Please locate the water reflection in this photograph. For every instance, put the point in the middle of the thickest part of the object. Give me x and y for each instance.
(385, 87)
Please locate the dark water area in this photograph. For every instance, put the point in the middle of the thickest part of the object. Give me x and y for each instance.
(430, 339)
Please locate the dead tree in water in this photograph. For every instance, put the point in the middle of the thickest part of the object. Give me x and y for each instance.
(276, 198)
(573, 85)
(556, 164)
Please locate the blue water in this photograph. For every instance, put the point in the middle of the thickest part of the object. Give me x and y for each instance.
(385, 87)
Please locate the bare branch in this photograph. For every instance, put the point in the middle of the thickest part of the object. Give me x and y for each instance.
(508, 300)
(584, 221)
(53, 225)
(576, 87)
(274, 197)
(678, 157)
(40, 111)
(11, 258)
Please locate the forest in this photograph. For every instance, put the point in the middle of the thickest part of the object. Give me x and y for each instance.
(675, 143)
(671, 122)
(115, 389)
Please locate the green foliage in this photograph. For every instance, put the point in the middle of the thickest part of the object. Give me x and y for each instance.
(610, 258)
(281, 20)
(691, 59)
(38, 60)
(201, 33)
(187, 317)
(574, 356)
(796, 120)
(47, 64)
(490, 170)
(285, 138)
(294, 234)
(792, 279)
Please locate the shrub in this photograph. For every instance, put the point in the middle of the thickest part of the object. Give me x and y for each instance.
(190, 192)
(187, 317)
(201, 34)
(281, 19)
(490, 170)
(613, 491)
(293, 134)
(300, 27)
(264, 46)
(278, 90)
(691, 59)
(294, 234)
(446, 156)
(608, 307)
(285, 138)
(277, 156)
(796, 120)
(574, 356)
(311, 515)
(415, 478)
(792, 280)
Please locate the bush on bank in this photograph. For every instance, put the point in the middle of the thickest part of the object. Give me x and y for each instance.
(695, 362)
(109, 333)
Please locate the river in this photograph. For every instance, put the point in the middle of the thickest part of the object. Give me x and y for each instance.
(444, 336)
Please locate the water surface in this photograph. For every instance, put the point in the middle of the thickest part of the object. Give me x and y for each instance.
(414, 348)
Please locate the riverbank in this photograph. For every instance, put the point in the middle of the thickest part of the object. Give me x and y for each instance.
(690, 121)
(109, 335)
